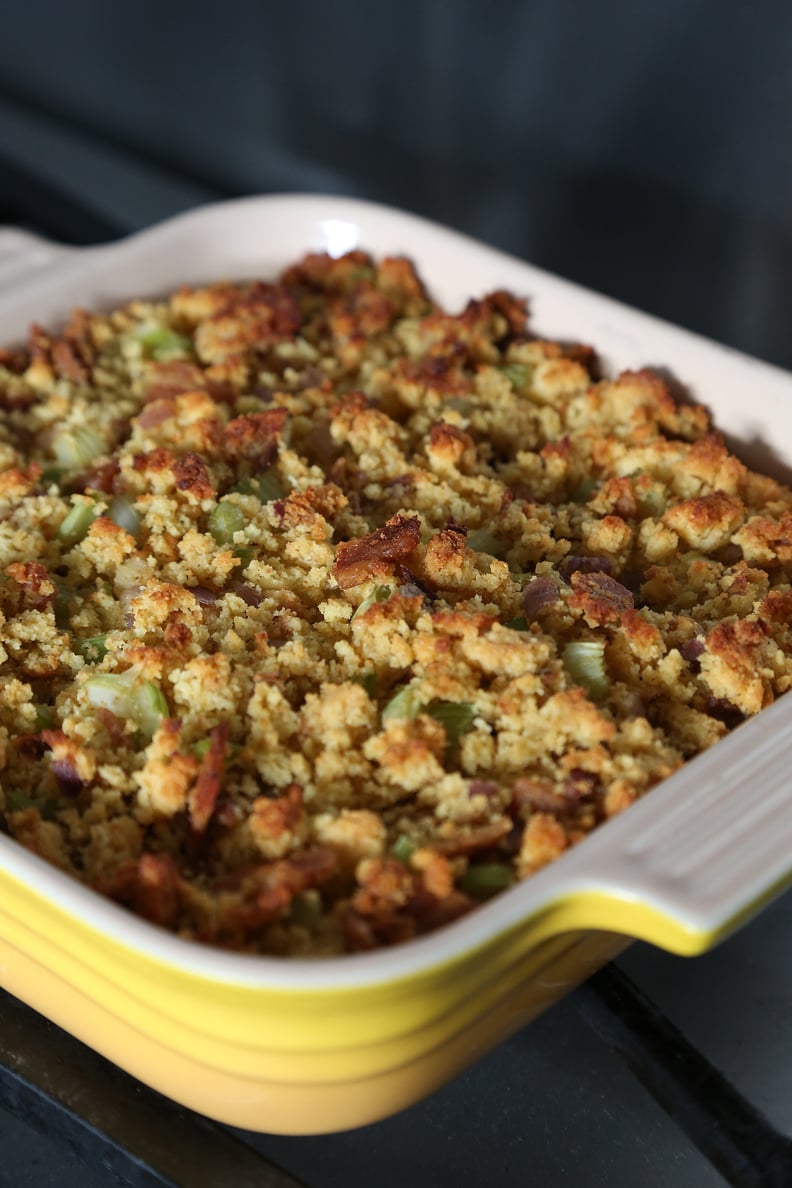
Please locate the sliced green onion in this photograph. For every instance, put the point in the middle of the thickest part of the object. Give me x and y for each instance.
(483, 541)
(517, 374)
(225, 520)
(485, 880)
(584, 660)
(77, 447)
(378, 594)
(122, 513)
(403, 849)
(519, 624)
(93, 649)
(125, 695)
(404, 705)
(75, 524)
(162, 343)
(369, 682)
(456, 718)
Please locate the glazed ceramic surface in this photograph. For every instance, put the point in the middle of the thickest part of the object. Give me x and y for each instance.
(308, 1046)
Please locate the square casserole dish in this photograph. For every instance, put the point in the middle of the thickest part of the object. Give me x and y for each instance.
(301, 1046)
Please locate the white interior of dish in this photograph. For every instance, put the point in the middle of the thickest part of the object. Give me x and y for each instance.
(750, 401)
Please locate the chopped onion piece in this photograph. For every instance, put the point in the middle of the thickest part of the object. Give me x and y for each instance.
(584, 660)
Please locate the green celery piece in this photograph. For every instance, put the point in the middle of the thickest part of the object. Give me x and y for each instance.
(93, 649)
(456, 718)
(517, 374)
(378, 594)
(519, 624)
(226, 519)
(122, 513)
(483, 541)
(16, 801)
(77, 447)
(149, 707)
(403, 849)
(74, 526)
(486, 879)
(584, 660)
(45, 718)
(404, 705)
(368, 680)
(162, 343)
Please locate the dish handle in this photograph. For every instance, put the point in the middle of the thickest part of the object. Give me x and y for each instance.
(700, 856)
(23, 253)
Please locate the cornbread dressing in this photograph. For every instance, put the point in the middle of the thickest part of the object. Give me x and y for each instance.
(325, 614)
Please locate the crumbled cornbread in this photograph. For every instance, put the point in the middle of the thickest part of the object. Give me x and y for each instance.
(325, 614)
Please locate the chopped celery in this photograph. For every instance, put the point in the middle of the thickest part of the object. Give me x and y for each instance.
(486, 879)
(62, 605)
(162, 343)
(483, 541)
(517, 374)
(74, 526)
(369, 682)
(122, 513)
(77, 447)
(378, 594)
(149, 707)
(403, 848)
(225, 520)
(584, 660)
(16, 801)
(456, 718)
(586, 489)
(519, 624)
(50, 475)
(405, 705)
(125, 695)
(45, 719)
(245, 555)
(201, 747)
(306, 909)
(93, 649)
(268, 487)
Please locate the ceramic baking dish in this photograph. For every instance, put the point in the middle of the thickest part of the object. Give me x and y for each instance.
(309, 1046)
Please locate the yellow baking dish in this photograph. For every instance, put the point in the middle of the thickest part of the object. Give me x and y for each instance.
(309, 1046)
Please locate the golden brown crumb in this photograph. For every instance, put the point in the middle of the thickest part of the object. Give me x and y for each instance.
(324, 612)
